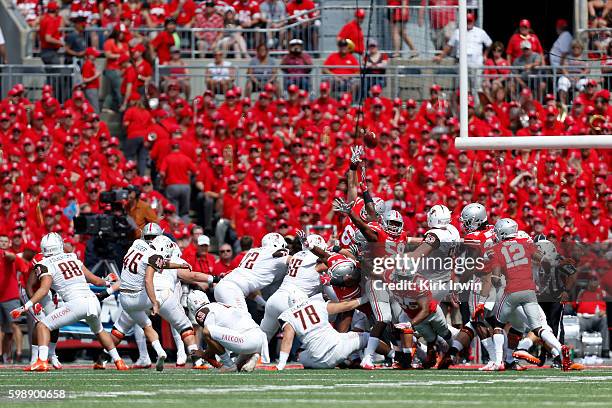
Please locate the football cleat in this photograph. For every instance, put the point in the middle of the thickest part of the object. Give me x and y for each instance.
(142, 364)
(250, 364)
(525, 355)
(445, 362)
(493, 366)
(121, 366)
(99, 365)
(515, 366)
(430, 361)
(181, 358)
(566, 361)
(213, 362)
(228, 369)
(404, 361)
(55, 363)
(39, 366)
(159, 365)
(577, 367)
(556, 363)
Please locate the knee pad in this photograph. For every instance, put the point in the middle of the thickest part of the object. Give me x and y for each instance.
(115, 332)
(187, 332)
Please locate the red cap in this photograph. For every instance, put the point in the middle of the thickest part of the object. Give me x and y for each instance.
(360, 13)
(52, 5)
(324, 86)
(525, 23)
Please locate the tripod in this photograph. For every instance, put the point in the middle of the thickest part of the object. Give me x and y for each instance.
(108, 266)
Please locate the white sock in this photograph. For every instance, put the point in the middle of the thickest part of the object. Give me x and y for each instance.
(180, 346)
(498, 341)
(141, 342)
(525, 344)
(391, 353)
(370, 348)
(43, 353)
(551, 340)
(34, 356)
(52, 348)
(406, 350)
(489, 346)
(114, 355)
(158, 348)
(192, 347)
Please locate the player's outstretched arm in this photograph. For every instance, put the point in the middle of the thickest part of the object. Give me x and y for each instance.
(423, 302)
(93, 279)
(196, 278)
(339, 205)
(356, 154)
(345, 306)
(45, 286)
(32, 281)
(285, 347)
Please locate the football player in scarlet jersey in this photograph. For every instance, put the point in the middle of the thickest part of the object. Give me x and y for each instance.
(514, 257)
(390, 233)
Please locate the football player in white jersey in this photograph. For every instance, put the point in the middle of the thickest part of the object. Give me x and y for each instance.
(308, 320)
(303, 272)
(439, 245)
(46, 306)
(259, 268)
(141, 261)
(66, 275)
(228, 329)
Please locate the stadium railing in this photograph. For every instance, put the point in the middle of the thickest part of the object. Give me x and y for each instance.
(592, 38)
(403, 81)
(301, 26)
(62, 77)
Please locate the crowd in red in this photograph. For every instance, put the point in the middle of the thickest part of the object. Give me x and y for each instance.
(276, 164)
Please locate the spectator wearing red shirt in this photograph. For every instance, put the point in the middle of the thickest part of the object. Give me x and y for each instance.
(128, 83)
(208, 18)
(223, 266)
(182, 11)
(343, 67)
(591, 309)
(442, 19)
(201, 260)
(91, 78)
(9, 293)
(524, 33)
(50, 35)
(176, 170)
(352, 31)
(114, 48)
(136, 121)
(166, 39)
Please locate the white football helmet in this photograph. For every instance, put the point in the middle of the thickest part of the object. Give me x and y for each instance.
(393, 223)
(439, 216)
(195, 300)
(317, 241)
(176, 251)
(379, 208)
(473, 216)
(505, 228)
(52, 244)
(163, 246)
(297, 297)
(273, 240)
(150, 231)
(548, 249)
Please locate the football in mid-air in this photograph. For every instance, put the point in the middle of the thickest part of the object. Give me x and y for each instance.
(370, 139)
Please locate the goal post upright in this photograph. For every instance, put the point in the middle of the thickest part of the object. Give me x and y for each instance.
(464, 142)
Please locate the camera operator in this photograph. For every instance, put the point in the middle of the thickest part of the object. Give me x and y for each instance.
(140, 211)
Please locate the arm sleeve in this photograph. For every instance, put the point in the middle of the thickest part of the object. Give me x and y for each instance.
(156, 262)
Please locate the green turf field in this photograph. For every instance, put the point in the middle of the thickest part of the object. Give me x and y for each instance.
(300, 388)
